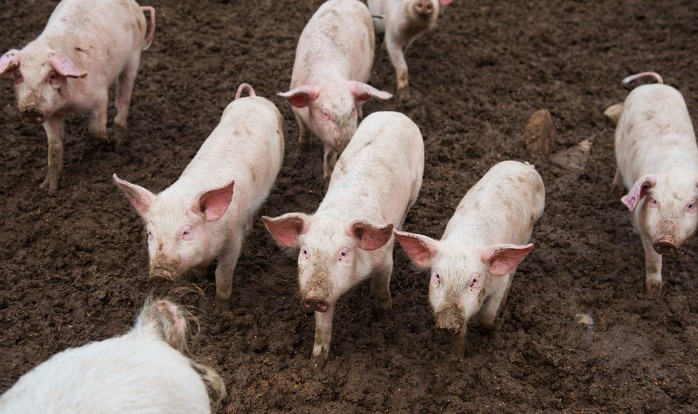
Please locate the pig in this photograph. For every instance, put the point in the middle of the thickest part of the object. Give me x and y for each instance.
(402, 21)
(473, 264)
(334, 58)
(84, 49)
(198, 218)
(657, 162)
(349, 238)
(143, 371)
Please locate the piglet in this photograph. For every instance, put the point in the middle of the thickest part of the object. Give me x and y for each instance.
(143, 371)
(334, 58)
(402, 21)
(473, 264)
(86, 47)
(349, 238)
(198, 218)
(657, 162)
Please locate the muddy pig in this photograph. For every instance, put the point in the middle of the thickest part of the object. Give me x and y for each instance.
(143, 371)
(657, 162)
(473, 264)
(334, 58)
(349, 238)
(199, 218)
(402, 21)
(86, 47)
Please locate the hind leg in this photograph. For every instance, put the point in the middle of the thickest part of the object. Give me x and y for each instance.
(122, 101)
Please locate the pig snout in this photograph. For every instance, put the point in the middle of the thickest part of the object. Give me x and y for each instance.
(32, 116)
(665, 245)
(424, 7)
(161, 274)
(450, 319)
(314, 301)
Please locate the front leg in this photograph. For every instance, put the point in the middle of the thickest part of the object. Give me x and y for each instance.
(124, 90)
(653, 269)
(495, 302)
(55, 134)
(98, 118)
(458, 343)
(329, 160)
(397, 58)
(303, 130)
(227, 260)
(323, 337)
(380, 287)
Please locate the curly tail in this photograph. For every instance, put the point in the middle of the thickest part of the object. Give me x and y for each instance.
(242, 87)
(631, 78)
(149, 40)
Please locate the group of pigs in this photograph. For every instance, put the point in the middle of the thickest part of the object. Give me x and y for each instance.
(375, 170)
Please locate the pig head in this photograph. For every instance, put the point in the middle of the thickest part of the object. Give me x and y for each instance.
(42, 80)
(180, 226)
(331, 258)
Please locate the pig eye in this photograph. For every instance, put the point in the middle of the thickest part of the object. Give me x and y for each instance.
(18, 76)
(54, 78)
(474, 281)
(326, 115)
(653, 203)
(304, 253)
(691, 208)
(436, 278)
(186, 232)
(343, 255)
(150, 236)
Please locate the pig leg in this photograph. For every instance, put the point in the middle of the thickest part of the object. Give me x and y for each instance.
(617, 185)
(227, 260)
(303, 131)
(54, 128)
(98, 118)
(122, 102)
(491, 307)
(653, 269)
(458, 344)
(380, 287)
(397, 58)
(328, 161)
(323, 337)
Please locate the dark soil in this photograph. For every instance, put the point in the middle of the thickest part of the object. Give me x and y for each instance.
(74, 267)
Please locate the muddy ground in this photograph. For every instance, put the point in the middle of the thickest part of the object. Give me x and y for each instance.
(74, 266)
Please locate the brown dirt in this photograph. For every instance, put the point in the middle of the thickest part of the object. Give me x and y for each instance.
(74, 266)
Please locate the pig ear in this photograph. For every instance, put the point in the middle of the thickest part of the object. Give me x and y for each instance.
(639, 190)
(286, 229)
(214, 203)
(140, 198)
(301, 96)
(9, 61)
(64, 66)
(370, 236)
(364, 92)
(420, 249)
(504, 258)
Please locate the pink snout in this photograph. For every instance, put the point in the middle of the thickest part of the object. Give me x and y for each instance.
(161, 274)
(665, 245)
(32, 116)
(450, 319)
(314, 304)
(424, 7)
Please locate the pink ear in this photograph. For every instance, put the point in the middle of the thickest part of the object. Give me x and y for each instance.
(214, 203)
(420, 249)
(64, 66)
(286, 229)
(140, 198)
(445, 2)
(639, 190)
(9, 61)
(301, 96)
(504, 258)
(370, 236)
(364, 92)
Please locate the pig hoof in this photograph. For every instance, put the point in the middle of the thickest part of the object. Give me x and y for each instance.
(49, 184)
(119, 136)
(654, 289)
(403, 94)
(317, 362)
(223, 307)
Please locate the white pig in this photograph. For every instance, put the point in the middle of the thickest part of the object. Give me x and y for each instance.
(143, 371)
(657, 161)
(349, 238)
(402, 21)
(473, 264)
(198, 218)
(85, 48)
(334, 58)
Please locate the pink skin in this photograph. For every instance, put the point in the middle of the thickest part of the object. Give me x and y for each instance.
(657, 161)
(473, 264)
(403, 21)
(348, 239)
(328, 83)
(69, 68)
(198, 218)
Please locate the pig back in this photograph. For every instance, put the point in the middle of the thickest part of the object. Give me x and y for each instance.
(380, 172)
(654, 133)
(501, 207)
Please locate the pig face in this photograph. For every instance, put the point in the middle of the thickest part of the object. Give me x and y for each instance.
(179, 237)
(666, 208)
(460, 274)
(328, 260)
(333, 110)
(41, 78)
